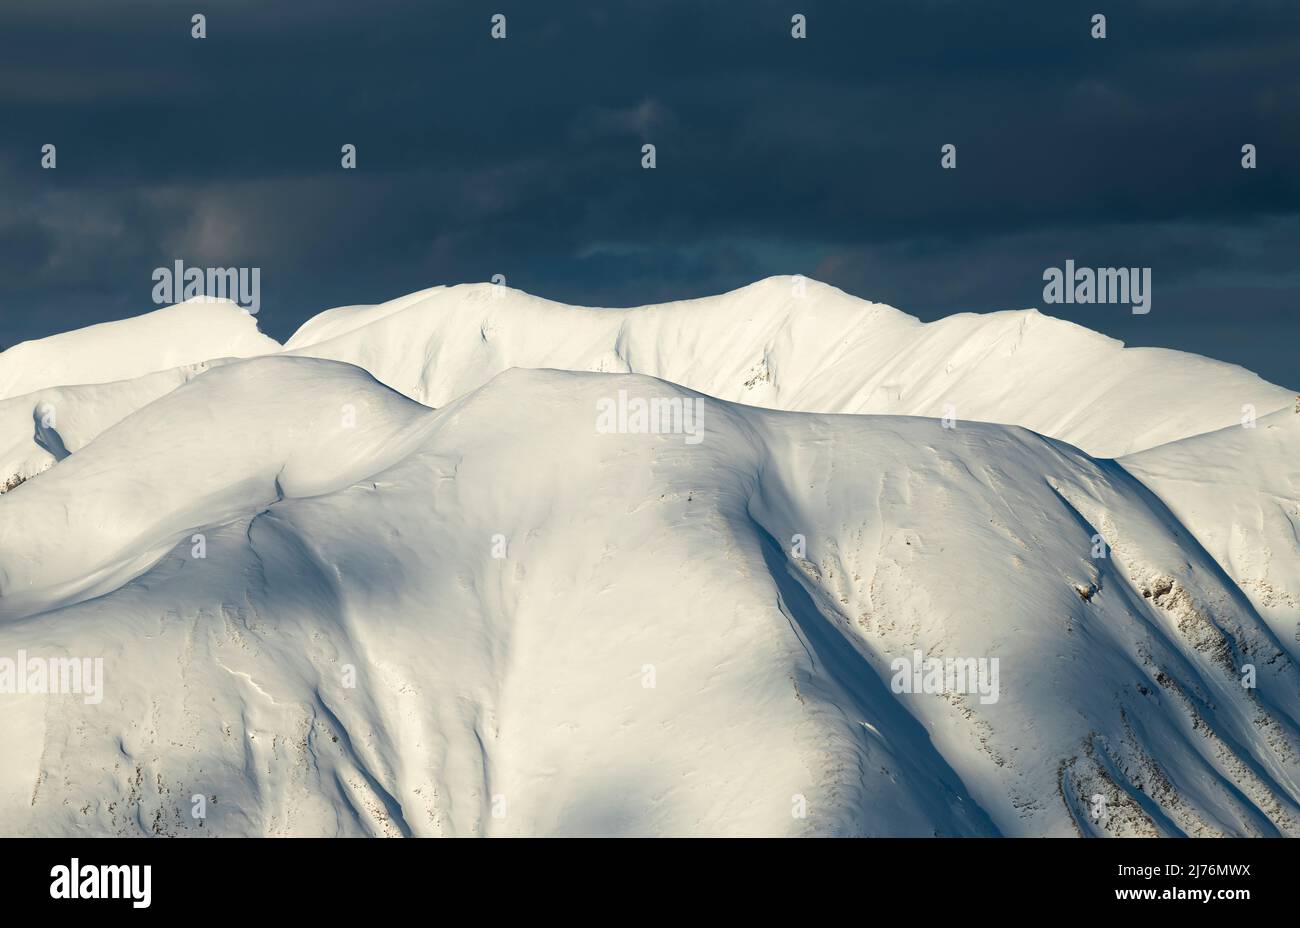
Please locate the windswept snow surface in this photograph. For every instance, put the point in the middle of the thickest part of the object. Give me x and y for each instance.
(34, 425)
(331, 609)
(1238, 490)
(174, 336)
(789, 343)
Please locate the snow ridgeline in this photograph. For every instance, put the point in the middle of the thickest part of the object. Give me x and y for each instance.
(173, 336)
(496, 618)
(783, 343)
(789, 343)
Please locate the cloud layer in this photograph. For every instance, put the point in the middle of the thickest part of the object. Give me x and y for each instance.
(522, 157)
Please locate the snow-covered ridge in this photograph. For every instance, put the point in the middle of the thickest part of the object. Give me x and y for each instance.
(37, 429)
(783, 343)
(1238, 490)
(612, 633)
(788, 343)
(174, 336)
(275, 435)
(342, 611)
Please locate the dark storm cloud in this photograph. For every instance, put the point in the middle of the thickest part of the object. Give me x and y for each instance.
(522, 156)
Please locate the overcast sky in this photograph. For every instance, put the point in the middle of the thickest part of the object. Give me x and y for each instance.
(522, 156)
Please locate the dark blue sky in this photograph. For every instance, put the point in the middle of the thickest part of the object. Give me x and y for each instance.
(522, 156)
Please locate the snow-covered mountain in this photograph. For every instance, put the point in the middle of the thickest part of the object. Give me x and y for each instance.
(1238, 490)
(173, 336)
(791, 343)
(471, 562)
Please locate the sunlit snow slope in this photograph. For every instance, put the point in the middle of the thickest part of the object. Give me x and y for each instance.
(331, 609)
(187, 333)
(1238, 489)
(790, 343)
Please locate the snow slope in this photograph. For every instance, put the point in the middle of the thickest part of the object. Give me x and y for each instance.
(38, 429)
(1238, 490)
(174, 336)
(492, 618)
(267, 436)
(332, 609)
(783, 343)
(788, 343)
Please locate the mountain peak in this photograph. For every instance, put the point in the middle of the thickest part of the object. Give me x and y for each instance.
(185, 333)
